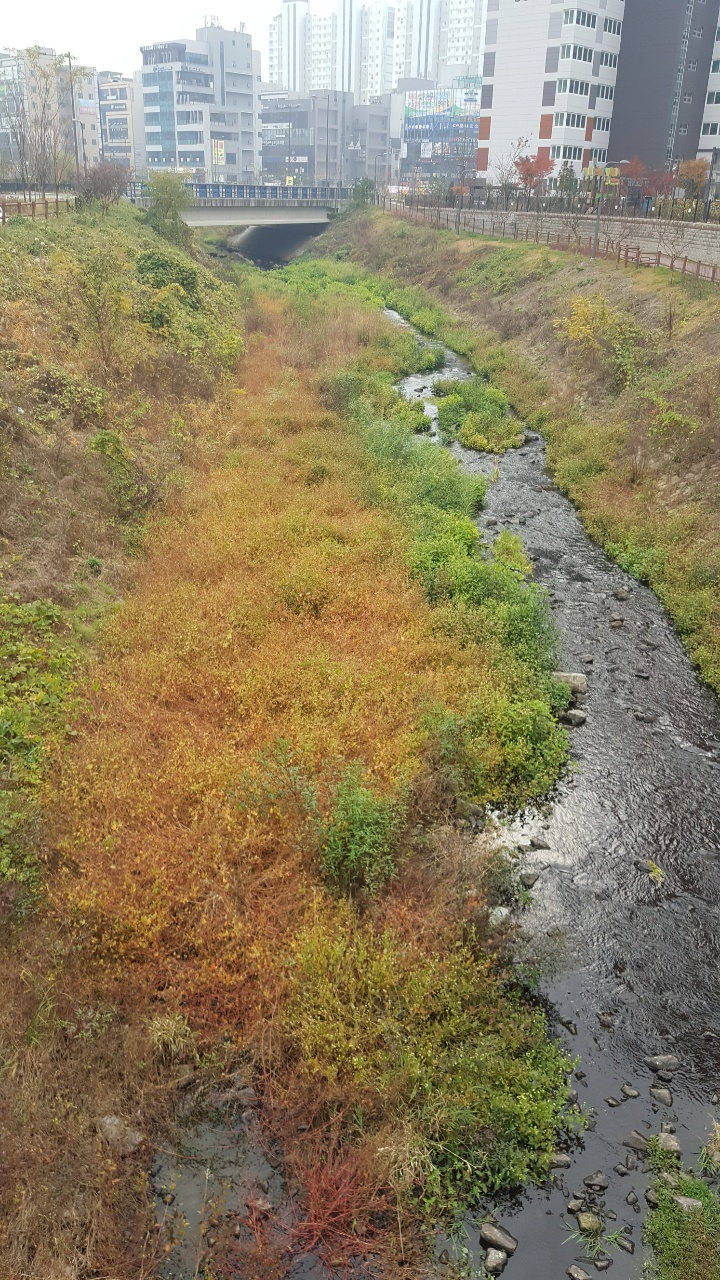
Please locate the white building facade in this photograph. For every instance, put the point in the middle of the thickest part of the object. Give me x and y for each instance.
(710, 128)
(200, 110)
(548, 82)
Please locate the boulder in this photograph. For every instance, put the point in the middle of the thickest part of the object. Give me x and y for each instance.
(576, 679)
(573, 718)
(495, 1261)
(663, 1096)
(589, 1223)
(498, 916)
(662, 1062)
(688, 1204)
(494, 1237)
(577, 1273)
(668, 1142)
(121, 1138)
(597, 1181)
(628, 1091)
(559, 1160)
(636, 1142)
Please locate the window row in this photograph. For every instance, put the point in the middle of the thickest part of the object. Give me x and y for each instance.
(599, 154)
(716, 65)
(566, 153)
(579, 18)
(713, 99)
(602, 124)
(606, 91)
(574, 86)
(570, 120)
(578, 51)
(710, 129)
(613, 27)
(608, 59)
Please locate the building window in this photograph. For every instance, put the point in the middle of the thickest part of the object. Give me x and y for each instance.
(697, 32)
(577, 51)
(682, 130)
(713, 99)
(599, 155)
(570, 120)
(716, 65)
(580, 87)
(602, 124)
(613, 27)
(687, 97)
(579, 18)
(608, 59)
(692, 66)
(710, 129)
(606, 91)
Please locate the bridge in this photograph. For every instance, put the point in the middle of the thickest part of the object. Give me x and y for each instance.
(216, 204)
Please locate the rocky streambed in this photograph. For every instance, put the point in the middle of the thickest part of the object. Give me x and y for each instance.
(625, 868)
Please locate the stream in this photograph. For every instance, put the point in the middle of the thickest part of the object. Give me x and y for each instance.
(639, 973)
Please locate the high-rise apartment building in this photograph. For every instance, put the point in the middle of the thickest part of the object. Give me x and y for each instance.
(321, 53)
(374, 50)
(548, 82)
(200, 105)
(115, 103)
(460, 40)
(287, 46)
(710, 127)
(662, 85)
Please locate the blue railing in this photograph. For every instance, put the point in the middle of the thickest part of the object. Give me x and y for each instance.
(223, 191)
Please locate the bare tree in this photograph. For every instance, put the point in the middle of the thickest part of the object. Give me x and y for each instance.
(37, 119)
(505, 169)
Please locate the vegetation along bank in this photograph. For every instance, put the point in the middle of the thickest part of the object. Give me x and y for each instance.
(254, 656)
(619, 370)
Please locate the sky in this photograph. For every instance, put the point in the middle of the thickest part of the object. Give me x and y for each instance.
(109, 37)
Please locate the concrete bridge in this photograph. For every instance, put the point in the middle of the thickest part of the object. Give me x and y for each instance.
(217, 204)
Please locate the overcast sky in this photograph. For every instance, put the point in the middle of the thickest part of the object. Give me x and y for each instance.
(109, 36)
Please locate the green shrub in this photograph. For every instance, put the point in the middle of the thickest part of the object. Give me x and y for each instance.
(357, 843)
(468, 1102)
(58, 394)
(159, 268)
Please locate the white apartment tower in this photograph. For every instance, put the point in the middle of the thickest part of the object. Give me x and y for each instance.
(710, 128)
(549, 75)
(287, 38)
(374, 50)
(460, 41)
(321, 55)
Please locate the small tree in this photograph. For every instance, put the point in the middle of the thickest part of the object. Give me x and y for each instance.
(567, 182)
(532, 172)
(693, 175)
(505, 171)
(169, 196)
(363, 190)
(105, 183)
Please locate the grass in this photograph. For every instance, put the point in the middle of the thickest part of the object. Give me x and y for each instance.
(619, 371)
(686, 1246)
(314, 657)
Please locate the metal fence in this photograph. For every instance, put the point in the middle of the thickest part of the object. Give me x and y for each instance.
(479, 224)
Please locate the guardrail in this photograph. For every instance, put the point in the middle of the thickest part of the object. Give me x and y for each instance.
(477, 224)
(34, 208)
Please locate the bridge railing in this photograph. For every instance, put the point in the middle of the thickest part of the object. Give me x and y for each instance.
(257, 191)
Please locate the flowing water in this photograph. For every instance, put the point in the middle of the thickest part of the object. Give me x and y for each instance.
(640, 970)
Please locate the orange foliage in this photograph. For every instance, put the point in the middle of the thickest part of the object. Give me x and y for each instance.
(273, 606)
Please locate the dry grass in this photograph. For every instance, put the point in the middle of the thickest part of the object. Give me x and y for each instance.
(272, 604)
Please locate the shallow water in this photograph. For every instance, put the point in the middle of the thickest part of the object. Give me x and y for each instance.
(645, 785)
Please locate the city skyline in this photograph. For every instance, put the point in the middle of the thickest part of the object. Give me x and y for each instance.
(97, 41)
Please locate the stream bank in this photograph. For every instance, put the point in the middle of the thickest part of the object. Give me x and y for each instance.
(640, 952)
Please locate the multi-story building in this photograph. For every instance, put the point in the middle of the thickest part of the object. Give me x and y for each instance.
(200, 105)
(321, 56)
(322, 138)
(49, 125)
(661, 94)
(287, 46)
(709, 148)
(116, 95)
(374, 50)
(548, 83)
(460, 40)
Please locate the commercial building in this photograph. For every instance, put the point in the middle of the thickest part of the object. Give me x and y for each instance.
(200, 105)
(668, 49)
(323, 138)
(116, 96)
